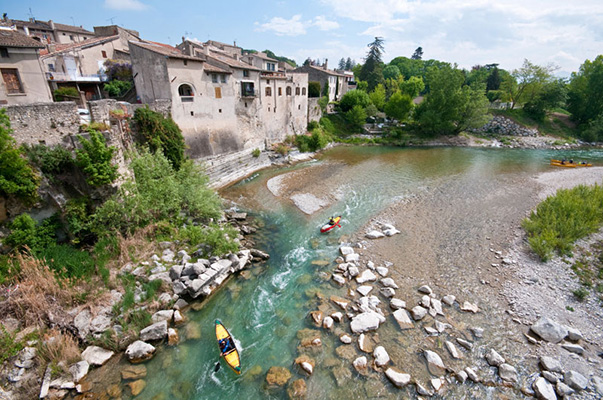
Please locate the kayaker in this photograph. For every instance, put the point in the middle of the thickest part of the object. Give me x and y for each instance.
(224, 345)
(332, 221)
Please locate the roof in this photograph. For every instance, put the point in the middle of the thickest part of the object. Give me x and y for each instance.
(262, 55)
(71, 28)
(231, 62)
(32, 24)
(10, 38)
(95, 41)
(321, 69)
(164, 50)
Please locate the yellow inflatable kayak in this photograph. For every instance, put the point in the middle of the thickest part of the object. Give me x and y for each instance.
(227, 348)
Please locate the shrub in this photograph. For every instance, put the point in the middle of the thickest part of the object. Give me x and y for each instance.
(17, 178)
(96, 126)
(215, 240)
(9, 347)
(356, 117)
(562, 219)
(66, 94)
(68, 262)
(256, 153)
(95, 159)
(50, 160)
(25, 232)
(354, 98)
(580, 294)
(312, 125)
(161, 134)
(282, 149)
(117, 88)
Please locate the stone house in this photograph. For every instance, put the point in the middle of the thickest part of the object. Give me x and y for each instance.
(81, 65)
(336, 80)
(49, 32)
(23, 80)
(222, 103)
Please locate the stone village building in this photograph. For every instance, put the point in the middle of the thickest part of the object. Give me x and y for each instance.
(222, 103)
(339, 82)
(48, 32)
(23, 80)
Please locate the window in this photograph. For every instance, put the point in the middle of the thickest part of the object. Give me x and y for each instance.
(288, 90)
(218, 91)
(214, 78)
(3, 52)
(270, 66)
(12, 81)
(51, 67)
(85, 38)
(268, 91)
(297, 91)
(247, 89)
(186, 93)
(303, 91)
(185, 62)
(71, 37)
(245, 73)
(104, 53)
(223, 76)
(280, 91)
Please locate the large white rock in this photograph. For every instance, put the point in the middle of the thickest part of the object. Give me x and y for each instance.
(345, 250)
(418, 313)
(375, 235)
(434, 363)
(494, 358)
(507, 373)
(97, 356)
(352, 258)
(162, 315)
(544, 390)
(389, 282)
(398, 378)
(381, 356)
(157, 331)
(452, 350)
(550, 364)
(397, 303)
(139, 351)
(366, 276)
(382, 271)
(549, 330)
(79, 370)
(401, 316)
(364, 322)
(360, 364)
(575, 380)
(364, 289)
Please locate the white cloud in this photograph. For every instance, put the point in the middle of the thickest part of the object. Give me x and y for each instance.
(125, 5)
(284, 27)
(471, 32)
(323, 24)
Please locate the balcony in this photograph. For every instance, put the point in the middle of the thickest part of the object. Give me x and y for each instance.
(273, 74)
(67, 77)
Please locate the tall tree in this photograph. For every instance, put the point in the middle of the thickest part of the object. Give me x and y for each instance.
(585, 99)
(341, 65)
(530, 79)
(391, 72)
(349, 64)
(451, 106)
(493, 82)
(372, 70)
(418, 54)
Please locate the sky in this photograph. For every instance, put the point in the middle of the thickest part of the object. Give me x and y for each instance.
(466, 32)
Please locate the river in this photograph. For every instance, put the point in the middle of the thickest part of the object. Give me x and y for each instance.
(461, 205)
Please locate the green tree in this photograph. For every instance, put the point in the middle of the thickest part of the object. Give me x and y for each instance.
(530, 79)
(354, 98)
(377, 97)
(413, 86)
(356, 117)
(372, 69)
(341, 65)
(313, 89)
(494, 80)
(17, 178)
(451, 106)
(325, 89)
(94, 159)
(161, 134)
(349, 64)
(391, 72)
(585, 99)
(553, 94)
(418, 54)
(408, 67)
(399, 106)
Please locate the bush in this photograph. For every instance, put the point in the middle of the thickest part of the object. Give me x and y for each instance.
(94, 159)
(50, 160)
(356, 117)
(312, 125)
(66, 94)
(77, 216)
(354, 98)
(216, 240)
(157, 193)
(95, 126)
(161, 134)
(256, 153)
(562, 219)
(25, 232)
(17, 178)
(9, 347)
(580, 294)
(282, 149)
(117, 88)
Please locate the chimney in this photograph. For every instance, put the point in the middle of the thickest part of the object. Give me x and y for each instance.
(235, 43)
(26, 29)
(325, 65)
(206, 50)
(51, 23)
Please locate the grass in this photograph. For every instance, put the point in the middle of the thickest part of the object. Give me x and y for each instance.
(8, 346)
(562, 219)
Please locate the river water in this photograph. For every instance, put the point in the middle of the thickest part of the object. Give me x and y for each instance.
(266, 308)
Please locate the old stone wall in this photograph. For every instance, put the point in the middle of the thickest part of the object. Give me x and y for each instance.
(100, 110)
(314, 111)
(44, 123)
(501, 125)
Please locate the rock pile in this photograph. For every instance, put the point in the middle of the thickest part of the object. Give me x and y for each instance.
(501, 125)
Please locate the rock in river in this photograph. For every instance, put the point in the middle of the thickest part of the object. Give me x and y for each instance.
(549, 330)
(396, 377)
(366, 321)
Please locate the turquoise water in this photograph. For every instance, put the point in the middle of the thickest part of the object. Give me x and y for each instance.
(265, 310)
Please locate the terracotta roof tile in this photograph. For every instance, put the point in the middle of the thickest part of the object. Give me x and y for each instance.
(71, 28)
(10, 38)
(61, 48)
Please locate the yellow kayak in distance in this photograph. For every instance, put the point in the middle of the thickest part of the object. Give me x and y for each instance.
(228, 350)
(569, 164)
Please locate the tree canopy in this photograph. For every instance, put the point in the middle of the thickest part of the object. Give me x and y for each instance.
(372, 69)
(585, 99)
(418, 54)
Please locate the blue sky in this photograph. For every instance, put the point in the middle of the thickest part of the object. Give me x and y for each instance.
(467, 32)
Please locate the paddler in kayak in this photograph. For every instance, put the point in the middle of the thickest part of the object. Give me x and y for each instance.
(332, 221)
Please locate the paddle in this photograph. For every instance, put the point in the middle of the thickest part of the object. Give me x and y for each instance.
(217, 367)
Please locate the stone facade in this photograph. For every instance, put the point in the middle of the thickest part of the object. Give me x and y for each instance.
(314, 111)
(44, 123)
(338, 83)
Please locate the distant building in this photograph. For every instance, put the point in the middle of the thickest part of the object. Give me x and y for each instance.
(23, 79)
(48, 32)
(222, 102)
(337, 82)
(81, 65)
